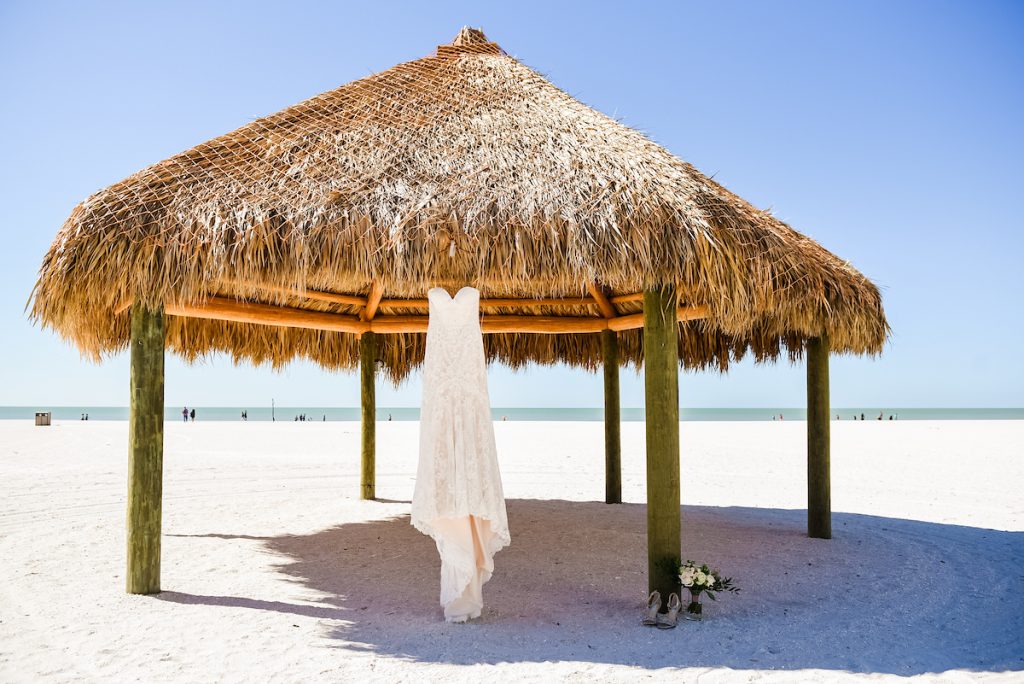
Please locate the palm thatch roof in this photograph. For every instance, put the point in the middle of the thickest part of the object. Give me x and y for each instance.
(462, 168)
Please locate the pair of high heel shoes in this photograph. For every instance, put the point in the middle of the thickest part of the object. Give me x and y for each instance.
(655, 618)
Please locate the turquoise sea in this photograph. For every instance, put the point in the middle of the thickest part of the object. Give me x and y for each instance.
(319, 413)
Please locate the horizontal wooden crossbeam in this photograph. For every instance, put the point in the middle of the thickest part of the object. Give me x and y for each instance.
(624, 298)
(315, 295)
(226, 309)
(417, 303)
(597, 298)
(494, 303)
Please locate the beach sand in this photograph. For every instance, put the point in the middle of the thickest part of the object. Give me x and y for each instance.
(273, 570)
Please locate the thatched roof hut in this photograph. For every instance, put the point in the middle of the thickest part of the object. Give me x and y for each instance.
(307, 232)
(464, 167)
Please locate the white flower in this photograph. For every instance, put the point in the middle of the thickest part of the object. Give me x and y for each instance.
(686, 577)
(701, 577)
(711, 580)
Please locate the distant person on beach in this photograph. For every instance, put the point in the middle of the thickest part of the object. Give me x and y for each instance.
(184, 414)
(879, 415)
(389, 417)
(862, 416)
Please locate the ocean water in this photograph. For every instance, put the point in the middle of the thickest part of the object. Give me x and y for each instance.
(334, 413)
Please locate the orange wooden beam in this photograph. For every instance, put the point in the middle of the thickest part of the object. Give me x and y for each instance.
(225, 309)
(316, 295)
(372, 300)
(607, 310)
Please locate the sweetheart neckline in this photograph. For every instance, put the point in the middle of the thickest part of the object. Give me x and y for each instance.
(450, 297)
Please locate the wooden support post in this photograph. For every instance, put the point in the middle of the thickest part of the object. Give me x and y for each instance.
(819, 498)
(612, 439)
(367, 371)
(661, 392)
(145, 450)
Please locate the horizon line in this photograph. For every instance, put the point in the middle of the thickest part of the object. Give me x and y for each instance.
(581, 408)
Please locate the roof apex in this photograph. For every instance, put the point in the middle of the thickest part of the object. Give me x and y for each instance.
(470, 36)
(470, 40)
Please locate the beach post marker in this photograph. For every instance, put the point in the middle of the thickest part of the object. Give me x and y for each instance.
(146, 450)
(661, 395)
(612, 432)
(367, 369)
(819, 503)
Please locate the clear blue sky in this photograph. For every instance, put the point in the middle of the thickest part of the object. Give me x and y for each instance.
(889, 131)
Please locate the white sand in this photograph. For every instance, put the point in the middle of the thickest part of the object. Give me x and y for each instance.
(274, 571)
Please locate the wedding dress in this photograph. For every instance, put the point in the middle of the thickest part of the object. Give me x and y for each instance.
(458, 498)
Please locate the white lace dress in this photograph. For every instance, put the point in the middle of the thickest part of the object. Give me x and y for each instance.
(458, 499)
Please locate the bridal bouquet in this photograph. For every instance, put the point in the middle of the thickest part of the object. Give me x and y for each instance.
(700, 578)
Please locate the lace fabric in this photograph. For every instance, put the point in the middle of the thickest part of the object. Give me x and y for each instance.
(458, 499)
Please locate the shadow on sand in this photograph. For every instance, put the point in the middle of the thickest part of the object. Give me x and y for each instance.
(885, 595)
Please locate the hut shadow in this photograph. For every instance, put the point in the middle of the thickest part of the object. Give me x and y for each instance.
(886, 595)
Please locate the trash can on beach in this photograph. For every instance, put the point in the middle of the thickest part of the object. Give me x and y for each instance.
(43, 417)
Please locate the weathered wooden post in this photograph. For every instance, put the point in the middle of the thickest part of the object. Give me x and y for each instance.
(367, 371)
(612, 438)
(146, 450)
(819, 497)
(661, 391)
